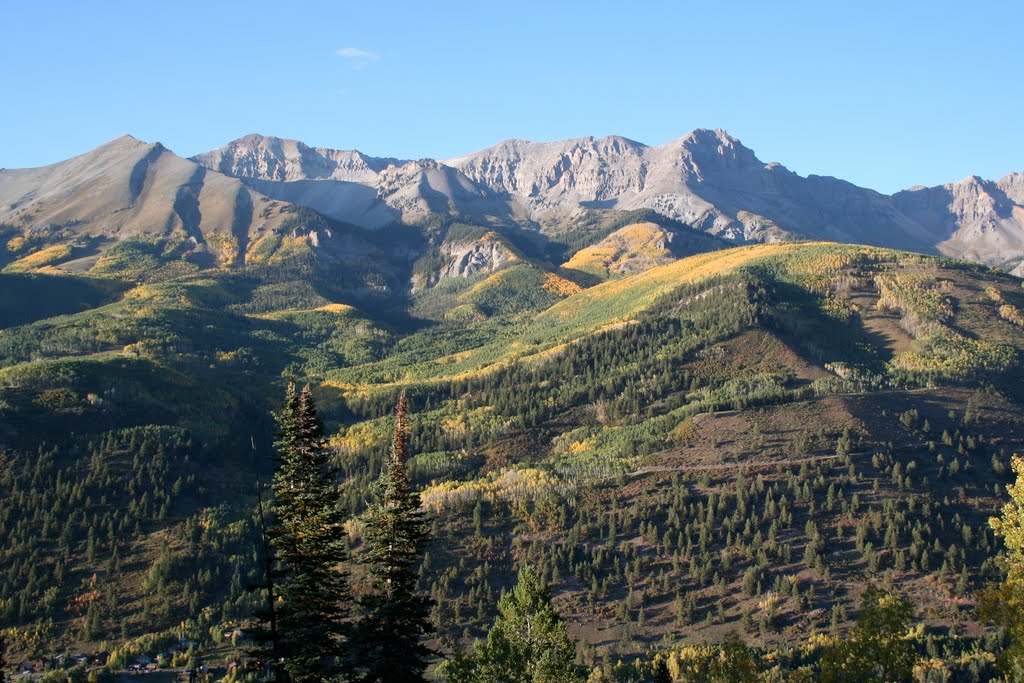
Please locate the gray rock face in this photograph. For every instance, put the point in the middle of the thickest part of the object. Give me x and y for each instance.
(269, 158)
(559, 176)
(349, 186)
(418, 188)
(478, 256)
(974, 219)
(711, 181)
(707, 179)
(335, 183)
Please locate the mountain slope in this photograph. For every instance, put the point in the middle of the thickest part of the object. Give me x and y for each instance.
(129, 189)
(974, 219)
(843, 412)
(635, 248)
(335, 183)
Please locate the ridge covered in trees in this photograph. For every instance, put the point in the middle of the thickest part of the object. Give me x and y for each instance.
(723, 452)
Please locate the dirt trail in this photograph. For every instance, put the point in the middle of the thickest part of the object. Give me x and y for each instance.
(647, 469)
(768, 464)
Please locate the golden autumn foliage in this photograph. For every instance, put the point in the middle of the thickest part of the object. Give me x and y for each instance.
(728, 662)
(943, 351)
(836, 307)
(226, 247)
(559, 286)
(917, 295)
(684, 433)
(343, 310)
(17, 243)
(1011, 313)
(634, 247)
(821, 272)
(43, 257)
(511, 484)
(1007, 311)
(261, 249)
(362, 435)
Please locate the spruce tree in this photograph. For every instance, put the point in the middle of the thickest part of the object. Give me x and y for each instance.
(387, 641)
(267, 654)
(309, 541)
(529, 642)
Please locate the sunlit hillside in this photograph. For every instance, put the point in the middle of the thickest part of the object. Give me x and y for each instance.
(733, 441)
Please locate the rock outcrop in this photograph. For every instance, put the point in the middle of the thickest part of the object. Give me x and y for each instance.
(484, 255)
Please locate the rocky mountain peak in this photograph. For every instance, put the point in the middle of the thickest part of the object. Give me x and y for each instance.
(126, 139)
(713, 137)
(1013, 185)
(283, 160)
(121, 145)
(717, 149)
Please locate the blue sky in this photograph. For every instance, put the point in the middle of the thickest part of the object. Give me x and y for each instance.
(885, 95)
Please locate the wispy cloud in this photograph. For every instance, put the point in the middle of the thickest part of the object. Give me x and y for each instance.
(357, 57)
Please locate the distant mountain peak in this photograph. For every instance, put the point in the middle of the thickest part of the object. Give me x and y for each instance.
(718, 148)
(125, 141)
(250, 138)
(622, 139)
(712, 136)
(263, 157)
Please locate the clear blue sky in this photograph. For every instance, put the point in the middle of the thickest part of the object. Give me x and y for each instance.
(884, 94)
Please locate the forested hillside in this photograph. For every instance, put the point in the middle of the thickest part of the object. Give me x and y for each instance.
(687, 449)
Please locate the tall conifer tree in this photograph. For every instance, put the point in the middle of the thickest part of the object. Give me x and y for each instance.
(388, 638)
(309, 541)
(267, 653)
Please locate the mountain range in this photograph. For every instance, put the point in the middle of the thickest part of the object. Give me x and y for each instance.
(224, 200)
(631, 367)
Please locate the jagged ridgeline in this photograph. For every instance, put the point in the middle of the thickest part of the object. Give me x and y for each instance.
(682, 445)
